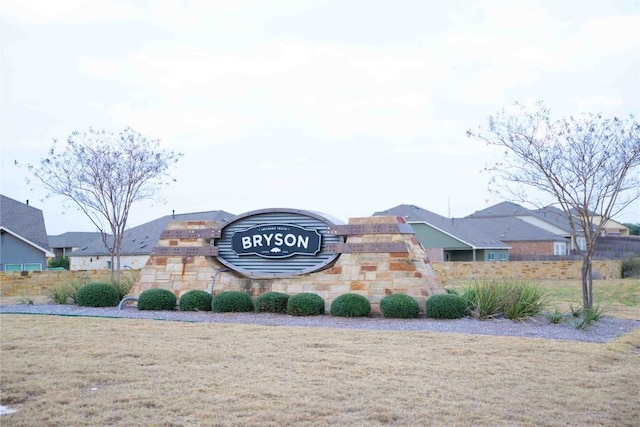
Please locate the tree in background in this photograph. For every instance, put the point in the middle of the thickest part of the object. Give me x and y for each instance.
(103, 174)
(588, 165)
(634, 229)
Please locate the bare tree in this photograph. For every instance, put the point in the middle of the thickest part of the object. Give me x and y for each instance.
(588, 165)
(103, 174)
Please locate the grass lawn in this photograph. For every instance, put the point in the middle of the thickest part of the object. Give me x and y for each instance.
(76, 371)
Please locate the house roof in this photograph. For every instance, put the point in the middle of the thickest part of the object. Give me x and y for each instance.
(72, 239)
(142, 239)
(551, 215)
(512, 229)
(24, 221)
(455, 227)
(501, 209)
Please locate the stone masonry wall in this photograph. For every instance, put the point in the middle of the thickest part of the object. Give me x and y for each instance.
(373, 275)
(40, 283)
(553, 270)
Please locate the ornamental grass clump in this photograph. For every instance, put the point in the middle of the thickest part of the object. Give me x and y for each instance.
(231, 302)
(157, 299)
(445, 306)
(504, 298)
(399, 306)
(524, 300)
(305, 304)
(97, 295)
(68, 291)
(195, 300)
(272, 302)
(350, 305)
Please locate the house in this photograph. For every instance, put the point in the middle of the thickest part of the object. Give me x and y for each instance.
(542, 232)
(137, 242)
(65, 243)
(23, 237)
(611, 227)
(450, 239)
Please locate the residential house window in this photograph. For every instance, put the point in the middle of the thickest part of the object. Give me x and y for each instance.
(559, 248)
(491, 256)
(36, 266)
(582, 243)
(108, 265)
(13, 267)
(503, 256)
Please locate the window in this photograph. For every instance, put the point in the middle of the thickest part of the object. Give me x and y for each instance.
(109, 265)
(503, 256)
(559, 248)
(36, 266)
(13, 267)
(491, 256)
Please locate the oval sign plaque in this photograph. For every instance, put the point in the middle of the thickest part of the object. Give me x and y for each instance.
(272, 243)
(276, 241)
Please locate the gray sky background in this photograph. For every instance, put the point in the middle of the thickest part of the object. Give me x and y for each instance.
(344, 107)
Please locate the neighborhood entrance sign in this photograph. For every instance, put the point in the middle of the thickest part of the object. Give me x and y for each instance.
(271, 243)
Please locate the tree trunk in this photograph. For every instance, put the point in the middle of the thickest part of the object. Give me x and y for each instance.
(587, 283)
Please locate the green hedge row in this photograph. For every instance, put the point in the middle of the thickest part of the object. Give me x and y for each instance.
(472, 301)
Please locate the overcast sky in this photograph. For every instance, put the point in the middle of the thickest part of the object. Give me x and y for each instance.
(343, 107)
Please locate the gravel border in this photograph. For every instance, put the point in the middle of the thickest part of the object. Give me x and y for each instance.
(604, 330)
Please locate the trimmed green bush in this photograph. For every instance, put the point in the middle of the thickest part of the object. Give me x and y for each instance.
(272, 302)
(399, 306)
(195, 300)
(446, 306)
(350, 305)
(97, 295)
(157, 299)
(231, 302)
(305, 304)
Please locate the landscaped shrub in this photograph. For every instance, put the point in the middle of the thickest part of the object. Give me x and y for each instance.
(195, 300)
(350, 305)
(399, 306)
(97, 295)
(631, 267)
(484, 298)
(231, 302)
(511, 299)
(157, 299)
(305, 304)
(272, 302)
(125, 283)
(446, 306)
(524, 300)
(68, 290)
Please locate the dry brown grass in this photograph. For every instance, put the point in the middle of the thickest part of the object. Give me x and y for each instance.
(69, 371)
